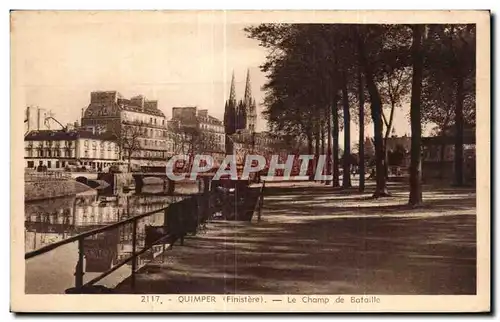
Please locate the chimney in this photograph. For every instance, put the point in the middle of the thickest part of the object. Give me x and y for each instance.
(28, 117)
(82, 112)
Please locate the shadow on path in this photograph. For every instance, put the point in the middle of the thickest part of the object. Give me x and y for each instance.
(324, 242)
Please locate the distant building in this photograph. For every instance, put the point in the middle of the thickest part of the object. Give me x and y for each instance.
(210, 131)
(438, 153)
(58, 149)
(36, 119)
(214, 128)
(125, 118)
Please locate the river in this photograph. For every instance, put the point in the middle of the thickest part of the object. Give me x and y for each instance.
(49, 221)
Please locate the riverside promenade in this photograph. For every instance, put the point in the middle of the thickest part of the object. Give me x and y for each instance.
(316, 240)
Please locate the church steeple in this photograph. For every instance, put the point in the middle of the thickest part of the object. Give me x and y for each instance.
(250, 106)
(248, 91)
(232, 91)
(230, 113)
(239, 115)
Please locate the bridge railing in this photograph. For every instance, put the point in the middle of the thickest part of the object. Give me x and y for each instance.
(45, 175)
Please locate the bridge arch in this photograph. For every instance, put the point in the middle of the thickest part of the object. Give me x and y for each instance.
(83, 180)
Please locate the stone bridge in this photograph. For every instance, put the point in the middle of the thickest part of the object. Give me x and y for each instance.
(83, 177)
(168, 184)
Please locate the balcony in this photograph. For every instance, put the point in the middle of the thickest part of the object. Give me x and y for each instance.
(143, 124)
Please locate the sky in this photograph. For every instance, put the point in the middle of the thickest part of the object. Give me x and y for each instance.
(178, 59)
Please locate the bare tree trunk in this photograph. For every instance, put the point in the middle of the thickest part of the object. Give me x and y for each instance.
(416, 126)
(310, 144)
(361, 133)
(442, 148)
(310, 151)
(129, 161)
(316, 143)
(335, 120)
(386, 138)
(459, 133)
(376, 111)
(322, 128)
(346, 177)
(442, 163)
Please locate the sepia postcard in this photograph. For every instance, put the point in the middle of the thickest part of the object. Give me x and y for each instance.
(250, 161)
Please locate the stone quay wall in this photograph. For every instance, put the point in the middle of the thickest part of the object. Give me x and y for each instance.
(46, 189)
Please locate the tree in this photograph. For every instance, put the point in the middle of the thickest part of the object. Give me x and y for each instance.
(394, 89)
(329, 144)
(448, 96)
(335, 130)
(310, 67)
(346, 179)
(416, 127)
(361, 149)
(376, 109)
(191, 140)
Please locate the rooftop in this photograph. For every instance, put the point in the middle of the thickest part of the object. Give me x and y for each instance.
(137, 103)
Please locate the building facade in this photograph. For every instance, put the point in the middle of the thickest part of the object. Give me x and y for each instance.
(57, 150)
(139, 125)
(194, 131)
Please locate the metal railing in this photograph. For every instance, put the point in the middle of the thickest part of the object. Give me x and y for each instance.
(188, 215)
(260, 201)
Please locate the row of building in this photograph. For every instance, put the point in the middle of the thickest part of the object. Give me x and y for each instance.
(116, 129)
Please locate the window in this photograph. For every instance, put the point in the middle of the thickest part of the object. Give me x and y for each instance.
(86, 143)
(31, 164)
(151, 120)
(57, 164)
(63, 164)
(49, 164)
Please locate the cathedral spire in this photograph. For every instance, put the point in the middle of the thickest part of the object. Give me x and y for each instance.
(248, 90)
(230, 113)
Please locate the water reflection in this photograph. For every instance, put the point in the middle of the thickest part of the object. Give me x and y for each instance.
(49, 221)
(54, 220)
